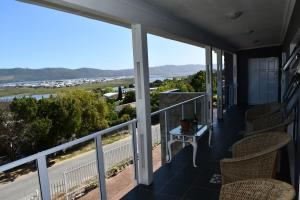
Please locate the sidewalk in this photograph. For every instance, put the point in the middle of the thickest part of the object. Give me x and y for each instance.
(122, 183)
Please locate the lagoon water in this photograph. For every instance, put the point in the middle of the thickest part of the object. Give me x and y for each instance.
(36, 96)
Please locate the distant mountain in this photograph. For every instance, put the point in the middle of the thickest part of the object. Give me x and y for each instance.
(26, 74)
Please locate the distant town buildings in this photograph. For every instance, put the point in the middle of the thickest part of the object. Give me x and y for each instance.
(58, 83)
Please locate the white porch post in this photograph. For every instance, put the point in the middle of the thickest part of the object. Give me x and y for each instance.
(141, 74)
(219, 84)
(209, 89)
(234, 79)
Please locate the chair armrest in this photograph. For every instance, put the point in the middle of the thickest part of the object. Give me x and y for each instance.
(278, 128)
(282, 127)
(248, 167)
(265, 121)
(260, 110)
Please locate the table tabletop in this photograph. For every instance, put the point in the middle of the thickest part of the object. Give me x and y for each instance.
(195, 131)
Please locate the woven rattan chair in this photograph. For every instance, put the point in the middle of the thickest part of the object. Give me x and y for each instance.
(275, 127)
(261, 110)
(253, 157)
(265, 121)
(257, 189)
(274, 122)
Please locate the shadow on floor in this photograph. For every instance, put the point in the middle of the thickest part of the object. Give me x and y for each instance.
(180, 180)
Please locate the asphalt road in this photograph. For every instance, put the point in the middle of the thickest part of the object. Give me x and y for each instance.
(28, 183)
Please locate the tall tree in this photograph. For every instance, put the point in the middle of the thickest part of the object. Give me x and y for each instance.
(24, 108)
(11, 135)
(129, 97)
(120, 95)
(198, 81)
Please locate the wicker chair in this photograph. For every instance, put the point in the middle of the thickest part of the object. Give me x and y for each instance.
(253, 157)
(273, 127)
(261, 110)
(265, 121)
(257, 189)
(274, 122)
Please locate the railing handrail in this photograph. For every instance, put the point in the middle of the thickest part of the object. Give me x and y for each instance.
(41, 157)
(178, 104)
(63, 146)
(67, 145)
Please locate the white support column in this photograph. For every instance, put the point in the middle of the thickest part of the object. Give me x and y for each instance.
(43, 177)
(100, 167)
(234, 70)
(209, 89)
(219, 84)
(141, 74)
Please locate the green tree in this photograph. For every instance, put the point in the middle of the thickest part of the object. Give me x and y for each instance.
(36, 136)
(33, 125)
(129, 97)
(11, 135)
(120, 95)
(129, 110)
(24, 108)
(94, 111)
(107, 90)
(198, 81)
(65, 113)
(156, 83)
(181, 85)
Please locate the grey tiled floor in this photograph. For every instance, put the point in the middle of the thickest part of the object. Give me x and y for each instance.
(180, 180)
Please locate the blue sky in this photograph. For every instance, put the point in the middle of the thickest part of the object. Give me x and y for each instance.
(37, 37)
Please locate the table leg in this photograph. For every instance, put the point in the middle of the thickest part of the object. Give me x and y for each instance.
(209, 139)
(169, 149)
(195, 146)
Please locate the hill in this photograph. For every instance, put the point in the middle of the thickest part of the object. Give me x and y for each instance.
(27, 74)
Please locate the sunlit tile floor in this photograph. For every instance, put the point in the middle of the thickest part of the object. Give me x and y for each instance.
(180, 180)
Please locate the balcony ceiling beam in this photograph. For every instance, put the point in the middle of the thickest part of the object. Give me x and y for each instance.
(127, 12)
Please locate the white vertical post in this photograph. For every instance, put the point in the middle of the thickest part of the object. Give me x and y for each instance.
(195, 107)
(219, 85)
(132, 127)
(141, 72)
(100, 167)
(209, 89)
(167, 134)
(182, 111)
(43, 177)
(234, 71)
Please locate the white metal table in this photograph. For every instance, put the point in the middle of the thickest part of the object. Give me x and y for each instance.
(191, 137)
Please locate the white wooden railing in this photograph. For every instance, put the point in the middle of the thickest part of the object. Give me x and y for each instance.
(46, 189)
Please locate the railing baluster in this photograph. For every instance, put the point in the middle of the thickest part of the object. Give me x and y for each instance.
(132, 127)
(100, 166)
(182, 111)
(205, 109)
(71, 178)
(66, 185)
(43, 177)
(167, 133)
(195, 107)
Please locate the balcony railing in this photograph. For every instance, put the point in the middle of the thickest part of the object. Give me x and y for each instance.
(41, 157)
